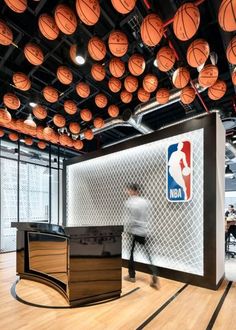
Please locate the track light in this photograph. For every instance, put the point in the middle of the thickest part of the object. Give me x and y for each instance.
(32, 104)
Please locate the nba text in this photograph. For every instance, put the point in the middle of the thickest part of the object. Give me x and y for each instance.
(175, 193)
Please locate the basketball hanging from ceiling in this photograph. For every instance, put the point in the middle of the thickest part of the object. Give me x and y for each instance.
(86, 114)
(48, 27)
(97, 48)
(78, 144)
(125, 96)
(83, 89)
(88, 11)
(74, 127)
(118, 43)
(1, 133)
(123, 6)
(21, 81)
(162, 95)
(150, 83)
(42, 145)
(65, 19)
(131, 83)
(114, 85)
(64, 75)
(11, 101)
(152, 30)
(186, 21)
(165, 59)
(70, 107)
(208, 75)
(59, 120)
(6, 35)
(18, 6)
(101, 100)
(218, 90)
(143, 95)
(187, 95)
(198, 53)
(39, 112)
(136, 64)
(33, 54)
(50, 94)
(181, 77)
(98, 122)
(29, 141)
(98, 72)
(88, 134)
(39, 132)
(113, 110)
(231, 51)
(13, 137)
(116, 67)
(227, 15)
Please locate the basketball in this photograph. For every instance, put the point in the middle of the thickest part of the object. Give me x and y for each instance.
(97, 48)
(186, 21)
(198, 53)
(181, 77)
(50, 94)
(1, 133)
(13, 137)
(123, 6)
(150, 83)
(73, 53)
(47, 133)
(39, 132)
(131, 84)
(59, 120)
(114, 84)
(98, 72)
(208, 75)
(64, 75)
(82, 89)
(5, 116)
(233, 76)
(151, 30)
(187, 95)
(86, 114)
(65, 19)
(217, 91)
(165, 59)
(88, 134)
(88, 11)
(116, 67)
(70, 107)
(63, 139)
(143, 95)
(33, 54)
(226, 15)
(11, 101)
(39, 112)
(101, 100)
(231, 51)
(42, 145)
(118, 43)
(186, 171)
(21, 81)
(74, 128)
(98, 122)
(18, 6)
(6, 35)
(78, 144)
(48, 27)
(136, 64)
(162, 95)
(29, 141)
(125, 96)
(113, 111)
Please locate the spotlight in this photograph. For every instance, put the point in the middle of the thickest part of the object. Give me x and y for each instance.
(155, 63)
(80, 59)
(32, 104)
(29, 121)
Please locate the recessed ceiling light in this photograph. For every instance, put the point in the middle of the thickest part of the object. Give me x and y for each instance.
(155, 63)
(80, 59)
(32, 104)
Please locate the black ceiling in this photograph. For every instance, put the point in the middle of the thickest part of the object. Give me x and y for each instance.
(25, 29)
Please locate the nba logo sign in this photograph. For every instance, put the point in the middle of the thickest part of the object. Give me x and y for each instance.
(179, 172)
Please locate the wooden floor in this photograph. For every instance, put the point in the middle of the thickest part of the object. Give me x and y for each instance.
(192, 308)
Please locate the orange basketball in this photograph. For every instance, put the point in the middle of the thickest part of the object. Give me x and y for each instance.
(98, 122)
(98, 72)
(114, 84)
(181, 77)
(143, 95)
(29, 141)
(88, 134)
(187, 95)
(48, 27)
(11, 101)
(13, 137)
(150, 83)
(64, 140)
(198, 52)
(5, 116)
(116, 67)
(59, 120)
(97, 48)
(6, 35)
(86, 114)
(165, 59)
(186, 21)
(65, 19)
(21, 81)
(88, 11)
(136, 64)
(226, 15)
(64, 75)
(1, 133)
(217, 91)
(208, 75)
(162, 95)
(47, 133)
(131, 84)
(78, 144)
(70, 107)
(50, 94)
(151, 30)
(113, 110)
(101, 100)
(83, 89)
(18, 6)
(40, 112)
(39, 132)
(42, 145)
(33, 54)
(123, 6)
(118, 43)
(231, 51)
(233, 76)
(74, 128)
(125, 96)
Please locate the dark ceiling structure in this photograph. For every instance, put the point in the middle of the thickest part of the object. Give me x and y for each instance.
(56, 53)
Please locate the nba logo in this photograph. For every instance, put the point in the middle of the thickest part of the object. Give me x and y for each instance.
(179, 172)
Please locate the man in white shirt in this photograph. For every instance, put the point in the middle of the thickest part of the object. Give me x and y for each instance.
(138, 208)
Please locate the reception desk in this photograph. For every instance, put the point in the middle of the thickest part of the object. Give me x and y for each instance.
(82, 263)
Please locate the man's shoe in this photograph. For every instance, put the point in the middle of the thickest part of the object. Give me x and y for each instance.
(130, 279)
(155, 283)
